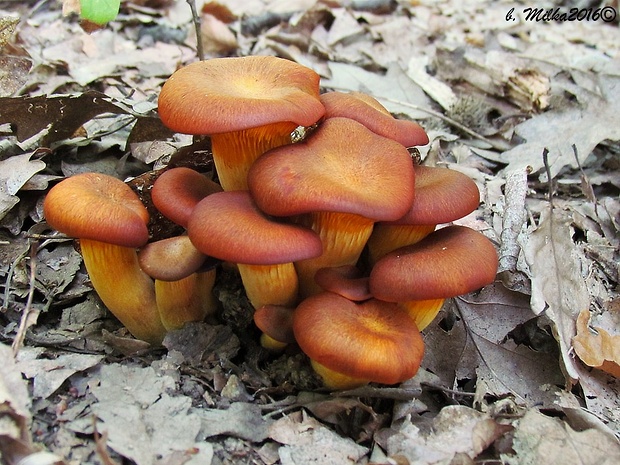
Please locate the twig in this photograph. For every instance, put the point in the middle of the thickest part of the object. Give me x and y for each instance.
(586, 187)
(197, 26)
(28, 315)
(9, 278)
(545, 156)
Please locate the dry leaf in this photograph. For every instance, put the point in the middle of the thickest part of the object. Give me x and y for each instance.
(558, 285)
(144, 422)
(585, 126)
(217, 38)
(480, 346)
(8, 25)
(308, 442)
(598, 347)
(539, 439)
(15, 171)
(50, 374)
(455, 430)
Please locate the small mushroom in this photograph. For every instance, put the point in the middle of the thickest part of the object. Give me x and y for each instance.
(183, 290)
(351, 344)
(347, 281)
(441, 196)
(276, 324)
(450, 261)
(229, 226)
(110, 222)
(176, 192)
(246, 104)
(338, 182)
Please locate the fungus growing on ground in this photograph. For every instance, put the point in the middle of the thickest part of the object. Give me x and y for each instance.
(110, 221)
(347, 281)
(350, 344)
(338, 182)
(183, 290)
(229, 226)
(367, 110)
(276, 324)
(247, 105)
(448, 262)
(441, 196)
(176, 192)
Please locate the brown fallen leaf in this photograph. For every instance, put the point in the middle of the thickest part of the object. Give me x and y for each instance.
(558, 287)
(540, 439)
(456, 430)
(596, 346)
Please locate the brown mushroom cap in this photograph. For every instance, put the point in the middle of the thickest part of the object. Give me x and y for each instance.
(231, 94)
(229, 226)
(342, 167)
(346, 280)
(170, 259)
(276, 322)
(371, 341)
(367, 110)
(176, 192)
(448, 262)
(441, 196)
(98, 207)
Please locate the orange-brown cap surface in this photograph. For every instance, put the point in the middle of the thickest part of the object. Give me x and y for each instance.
(448, 262)
(97, 207)
(342, 167)
(176, 192)
(367, 110)
(231, 94)
(229, 226)
(372, 341)
(441, 196)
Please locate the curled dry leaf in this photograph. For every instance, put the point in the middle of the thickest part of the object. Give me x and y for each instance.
(596, 346)
(558, 287)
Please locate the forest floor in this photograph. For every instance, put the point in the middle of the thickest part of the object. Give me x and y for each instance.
(527, 370)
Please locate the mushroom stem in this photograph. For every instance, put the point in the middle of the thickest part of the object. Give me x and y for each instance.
(124, 288)
(187, 299)
(343, 235)
(388, 237)
(270, 284)
(335, 380)
(234, 152)
(423, 312)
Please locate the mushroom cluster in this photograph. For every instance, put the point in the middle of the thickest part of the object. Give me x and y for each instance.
(335, 236)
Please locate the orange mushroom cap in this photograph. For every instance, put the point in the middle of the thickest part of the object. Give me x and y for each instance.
(276, 322)
(441, 196)
(448, 262)
(370, 341)
(367, 110)
(247, 105)
(98, 207)
(229, 226)
(342, 167)
(345, 280)
(176, 192)
(231, 94)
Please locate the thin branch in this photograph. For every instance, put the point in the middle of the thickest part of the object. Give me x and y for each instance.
(197, 26)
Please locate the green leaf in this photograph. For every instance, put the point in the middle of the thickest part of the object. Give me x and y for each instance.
(99, 11)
